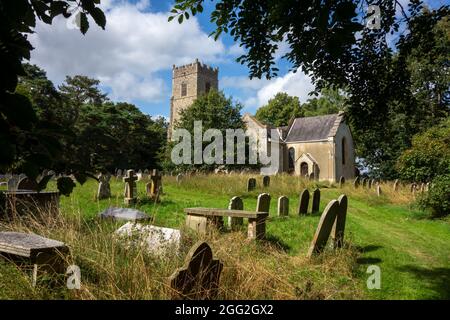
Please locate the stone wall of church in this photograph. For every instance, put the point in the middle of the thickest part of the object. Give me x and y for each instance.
(321, 151)
(344, 168)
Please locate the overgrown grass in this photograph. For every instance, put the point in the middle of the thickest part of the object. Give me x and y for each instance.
(412, 252)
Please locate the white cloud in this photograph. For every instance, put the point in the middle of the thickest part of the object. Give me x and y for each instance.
(259, 91)
(127, 55)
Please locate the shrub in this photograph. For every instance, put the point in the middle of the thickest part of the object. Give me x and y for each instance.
(438, 197)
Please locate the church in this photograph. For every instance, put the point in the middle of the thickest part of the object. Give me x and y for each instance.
(320, 147)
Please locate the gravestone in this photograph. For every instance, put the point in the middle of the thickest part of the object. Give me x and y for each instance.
(156, 240)
(396, 185)
(283, 206)
(27, 184)
(263, 203)
(124, 214)
(337, 233)
(12, 183)
(251, 184)
(304, 202)
(427, 187)
(235, 222)
(199, 277)
(422, 187)
(28, 202)
(43, 253)
(364, 182)
(119, 174)
(179, 177)
(413, 188)
(104, 189)
(155, 185)
(311, 176)
(356, 183)
(378, 190)
(341, 181)
(130, 188)
(266, 181)
(316, 201)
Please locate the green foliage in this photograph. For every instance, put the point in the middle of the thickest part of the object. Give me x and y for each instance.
(330, 101)
(95, 134)
(438, 196)
(279, 110)
(216, 112)
(29, 145)
(429, 156)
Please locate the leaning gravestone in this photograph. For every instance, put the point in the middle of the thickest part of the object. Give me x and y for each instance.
(43, 253)
(396, 185)
(378, 190)
(104, 189)
(235, 204)
(316, 201)
(27, 184)
(323, 230)
(304, 202)
(337, 233)
(157, 240)
(266, 181)
(199, 277)
(251, 184)
(364, 182)
(124, 214)
(356, 183)
(341, 182)
(130, 188)
(283, 206)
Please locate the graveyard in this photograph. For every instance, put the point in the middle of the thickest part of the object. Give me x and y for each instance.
(380, 229)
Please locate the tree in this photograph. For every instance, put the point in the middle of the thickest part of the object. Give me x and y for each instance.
(216, 112)
(330, 101)
(27, 144)
(387, 94)
(279, 110)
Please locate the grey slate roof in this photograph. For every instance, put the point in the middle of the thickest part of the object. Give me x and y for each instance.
(313, 128)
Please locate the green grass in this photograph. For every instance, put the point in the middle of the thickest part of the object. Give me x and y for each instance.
(412, 251)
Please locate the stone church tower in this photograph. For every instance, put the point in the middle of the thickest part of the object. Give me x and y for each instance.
(188, 83)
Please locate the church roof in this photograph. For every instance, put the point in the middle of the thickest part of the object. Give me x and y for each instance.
(314, 128)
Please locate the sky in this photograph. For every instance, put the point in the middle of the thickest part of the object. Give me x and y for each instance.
(133, 56)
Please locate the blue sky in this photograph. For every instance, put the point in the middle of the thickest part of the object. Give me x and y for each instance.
(133, 57)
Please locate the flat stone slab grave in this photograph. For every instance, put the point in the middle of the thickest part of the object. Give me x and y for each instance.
(39, 251)
(200, 218)
(124, 214)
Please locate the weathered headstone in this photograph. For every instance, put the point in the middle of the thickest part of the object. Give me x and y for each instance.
(304, 202)
(124, 214)
(235, 204)
(324, 228)
(199, 277)
(27, 184)
(364, 182)
(283, 206)
(427, 187)
(179, 177)
(337, 233)
(378, 190)
(311, 176)
(263, 203)
(12, 183)
(266, 181)
(413, 188)
(396, 185)
(251, 184)
(422, 187)
(43, 253)
(119, 174)
(130, 188)
(156, 240)
(356, 183)
(155, 185)
(341, 181)
(316, 201)
(104, 189)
